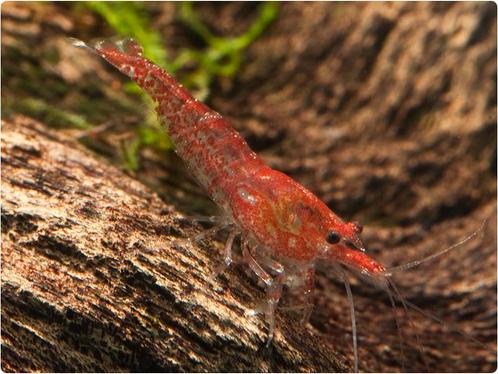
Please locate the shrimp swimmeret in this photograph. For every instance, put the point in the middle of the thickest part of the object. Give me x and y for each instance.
(285, 229)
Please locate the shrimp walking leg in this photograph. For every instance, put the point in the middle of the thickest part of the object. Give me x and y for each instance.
(254, 265)
(308, 294)
(207, 219)
(227, 252)
(271, 264)
(273, 291)
(273, 294)
(305, 285)
(228, 248)
(208, 232)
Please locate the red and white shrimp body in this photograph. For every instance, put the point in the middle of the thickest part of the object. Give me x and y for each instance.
(285, 228)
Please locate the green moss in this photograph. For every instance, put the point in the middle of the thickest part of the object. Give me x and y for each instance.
(50, 114)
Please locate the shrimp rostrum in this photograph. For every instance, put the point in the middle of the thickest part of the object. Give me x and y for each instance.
(285, 229)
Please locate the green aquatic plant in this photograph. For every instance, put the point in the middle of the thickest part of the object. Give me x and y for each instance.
(131, 19)
(221, 57)
(51, 115)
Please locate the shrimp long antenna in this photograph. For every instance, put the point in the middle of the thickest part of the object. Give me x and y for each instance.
(407, 314)
(398, 327)
(342, 274)
(439, 320)
(353, 323)
(390, 271)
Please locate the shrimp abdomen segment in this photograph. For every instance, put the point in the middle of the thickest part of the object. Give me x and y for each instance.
(214, 152)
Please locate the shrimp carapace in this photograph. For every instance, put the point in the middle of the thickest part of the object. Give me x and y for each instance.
(283, 225)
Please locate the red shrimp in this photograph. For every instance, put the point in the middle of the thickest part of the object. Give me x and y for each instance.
(285, 229)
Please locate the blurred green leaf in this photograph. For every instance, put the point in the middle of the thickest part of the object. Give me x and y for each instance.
(50, 114)
(129, 18)
(130, 154)
(223, 56)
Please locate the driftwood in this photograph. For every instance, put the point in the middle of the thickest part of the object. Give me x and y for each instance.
(387, 111)
(98, 274)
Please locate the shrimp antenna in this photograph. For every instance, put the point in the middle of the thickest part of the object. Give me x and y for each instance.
(450, 326)
(339, 270)
(396, 269)
(398, 328)
(407, 314)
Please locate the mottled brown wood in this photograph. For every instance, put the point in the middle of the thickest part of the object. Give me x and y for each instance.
(98, 274)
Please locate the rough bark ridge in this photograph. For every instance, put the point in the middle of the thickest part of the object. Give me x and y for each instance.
(387, 111)
(100, 275)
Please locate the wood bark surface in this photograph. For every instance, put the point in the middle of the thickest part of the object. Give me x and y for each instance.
(387, 111)
(98, 274)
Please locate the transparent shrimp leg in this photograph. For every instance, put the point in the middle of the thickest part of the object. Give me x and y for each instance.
(213, 230)
(220, 224)
(273, 290)
(227, 252)
(273, 294)
(271, 264)
(264, 262)
(207, 219)
(254, 265)
(308, 288)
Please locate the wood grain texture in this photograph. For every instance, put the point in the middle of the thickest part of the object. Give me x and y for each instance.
(98, 274)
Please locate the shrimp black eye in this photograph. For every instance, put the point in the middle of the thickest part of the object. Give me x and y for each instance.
(333, 237)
